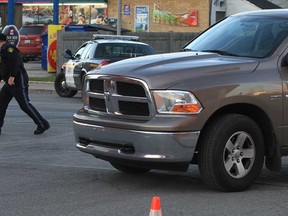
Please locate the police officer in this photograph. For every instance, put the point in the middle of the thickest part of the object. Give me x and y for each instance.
(16, 79)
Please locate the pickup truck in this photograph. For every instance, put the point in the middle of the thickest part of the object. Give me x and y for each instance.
(220, 103)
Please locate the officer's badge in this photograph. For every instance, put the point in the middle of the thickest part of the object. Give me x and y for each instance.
(10, 49)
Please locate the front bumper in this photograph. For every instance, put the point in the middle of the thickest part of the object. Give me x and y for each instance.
(145, 149)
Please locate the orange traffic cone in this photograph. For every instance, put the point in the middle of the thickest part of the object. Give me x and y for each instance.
(155, 209)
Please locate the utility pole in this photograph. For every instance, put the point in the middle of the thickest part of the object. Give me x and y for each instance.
(11, 12)
(56, 12)
(119, 18)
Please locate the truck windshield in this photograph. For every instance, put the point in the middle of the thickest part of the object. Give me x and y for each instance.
(249, 36)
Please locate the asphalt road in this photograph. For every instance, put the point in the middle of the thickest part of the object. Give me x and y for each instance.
(47, 175)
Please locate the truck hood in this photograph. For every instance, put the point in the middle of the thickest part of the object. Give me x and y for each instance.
(179, 67)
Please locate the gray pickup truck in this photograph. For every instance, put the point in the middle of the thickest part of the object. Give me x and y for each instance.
(221, 103)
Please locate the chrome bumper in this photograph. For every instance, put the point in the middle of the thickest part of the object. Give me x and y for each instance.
(131, 145)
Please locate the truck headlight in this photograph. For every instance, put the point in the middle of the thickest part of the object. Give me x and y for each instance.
(176, 102)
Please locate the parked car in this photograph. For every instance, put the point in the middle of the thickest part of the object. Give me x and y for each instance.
(221, 104)
(30, 44)
(102, 50)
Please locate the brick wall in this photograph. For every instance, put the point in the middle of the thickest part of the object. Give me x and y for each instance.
(174, 7)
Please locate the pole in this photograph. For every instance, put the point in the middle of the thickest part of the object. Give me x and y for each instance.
(11, 12)
(119, 18)
(56, 12)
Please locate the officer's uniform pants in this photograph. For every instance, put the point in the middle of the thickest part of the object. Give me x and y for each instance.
(21, 95)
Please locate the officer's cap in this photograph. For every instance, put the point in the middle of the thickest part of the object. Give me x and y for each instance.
(3, 37)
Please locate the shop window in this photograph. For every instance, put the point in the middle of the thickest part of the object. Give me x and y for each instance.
(68, 14)
(37, 14)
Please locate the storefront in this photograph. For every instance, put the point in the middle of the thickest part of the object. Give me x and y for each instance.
(41, 12)
(80, 12)
(136, 15)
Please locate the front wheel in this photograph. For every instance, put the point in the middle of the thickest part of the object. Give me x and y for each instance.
(231, 153)
(128, 169)
(61, 87)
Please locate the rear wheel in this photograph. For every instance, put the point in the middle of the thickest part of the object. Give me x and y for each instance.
(231, 153)
(128, 169)
(61, 87)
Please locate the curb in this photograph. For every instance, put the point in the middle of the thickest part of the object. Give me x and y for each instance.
(41, 87)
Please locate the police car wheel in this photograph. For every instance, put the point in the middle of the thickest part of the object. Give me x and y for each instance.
(61, 88)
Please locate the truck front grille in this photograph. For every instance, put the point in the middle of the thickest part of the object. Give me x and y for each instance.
(96, 85)
(134, 108)
(97, 104)
(130, 89)
(118, 96)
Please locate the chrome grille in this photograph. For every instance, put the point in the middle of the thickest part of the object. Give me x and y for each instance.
(96, 85)
(97, 104)
(119, 96)
(130, 89)
(134, 108)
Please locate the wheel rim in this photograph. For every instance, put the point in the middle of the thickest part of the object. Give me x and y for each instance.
(63, 84)
(239, 154)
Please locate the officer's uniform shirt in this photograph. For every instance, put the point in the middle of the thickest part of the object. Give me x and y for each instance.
(12, 64)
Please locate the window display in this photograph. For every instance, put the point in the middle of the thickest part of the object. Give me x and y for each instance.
(37, 14)
(68, 14)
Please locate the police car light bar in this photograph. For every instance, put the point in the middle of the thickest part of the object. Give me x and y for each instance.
(115, 37)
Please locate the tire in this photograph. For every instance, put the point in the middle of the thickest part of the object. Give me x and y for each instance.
(231, 153)
(128, 169)
(61, 87)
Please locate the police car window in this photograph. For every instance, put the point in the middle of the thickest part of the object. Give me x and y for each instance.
(115, 50)
(80, 51)
(129, 50)
(85, 54)
(91, 52)
(142, 50)
(108, 50)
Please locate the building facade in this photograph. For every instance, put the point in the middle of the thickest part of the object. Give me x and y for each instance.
(136, 15)
(162, 15)
(222, 8)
